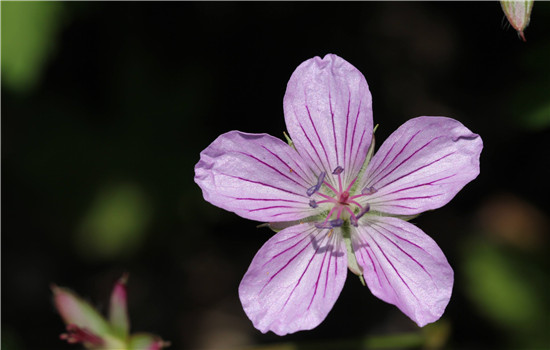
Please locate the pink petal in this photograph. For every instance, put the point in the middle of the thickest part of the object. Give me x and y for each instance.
(328, 113)
(422, 166)
(257, 176)
(404, 267)
(294, 279)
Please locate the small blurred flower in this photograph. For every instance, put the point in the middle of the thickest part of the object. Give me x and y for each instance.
(339, 205)
(518, 14)
(87, 326)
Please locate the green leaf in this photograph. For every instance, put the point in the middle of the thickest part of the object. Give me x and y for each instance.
(29, 33)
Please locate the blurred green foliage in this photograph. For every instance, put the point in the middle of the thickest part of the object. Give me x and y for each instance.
(115, 224)
(29, 33)
(508, 287)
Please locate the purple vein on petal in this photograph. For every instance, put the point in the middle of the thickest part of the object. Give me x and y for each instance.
(416, 186)
(328, 269)
(271, 207)
(353, 135)
(366, 249)
(320, 271)
(357, 153)
(396, 271)
(404, 239)
(303, 273)
(263, 184)
(318, 162)
(286, 240)
(289, 212)
(273, 168)
(389, 204)
(318, 137)
(374, 172)
(395, 157)
(333, 127)
(401, 249)
(381, 269)
(287, 263)
(306, 235)
(286, 164)
(419, 197)
(267, 200)
(413, 171)
(346, 133)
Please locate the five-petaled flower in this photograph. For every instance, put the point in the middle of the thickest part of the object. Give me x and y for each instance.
(339, 206)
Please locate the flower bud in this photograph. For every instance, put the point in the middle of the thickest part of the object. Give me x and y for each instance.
(518, 14)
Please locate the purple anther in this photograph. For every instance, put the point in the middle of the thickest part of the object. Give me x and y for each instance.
(369, 190)
(354, 219)
(330, 224)
(363, 211)
(338, 170)
(310, 191)
(336, 222)
(322, 225)
(313, 203)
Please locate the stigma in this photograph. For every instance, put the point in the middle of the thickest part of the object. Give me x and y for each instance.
(340, 200)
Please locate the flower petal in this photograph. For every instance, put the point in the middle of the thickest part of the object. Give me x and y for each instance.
(328, 113)
(294, 279)
(422, 166)
(404, 267)
(257, 176)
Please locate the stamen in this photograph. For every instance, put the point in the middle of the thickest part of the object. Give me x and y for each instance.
(354, 219)
(322, 225)
(313, 203)
(310, 191)
(330, 224)
(332, 188)
(327, 197)
(369, 190)
(339, 171)
(364, 211)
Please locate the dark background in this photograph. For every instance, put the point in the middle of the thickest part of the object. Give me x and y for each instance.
(106, 107)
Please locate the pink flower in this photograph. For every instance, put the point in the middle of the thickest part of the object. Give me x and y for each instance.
(87, 326)
(337, 205)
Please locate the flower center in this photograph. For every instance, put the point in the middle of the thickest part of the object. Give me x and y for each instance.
(344, 205)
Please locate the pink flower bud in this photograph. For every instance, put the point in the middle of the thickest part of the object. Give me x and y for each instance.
(518, 14)
(87, 326)
(77, 312)
(118, 311)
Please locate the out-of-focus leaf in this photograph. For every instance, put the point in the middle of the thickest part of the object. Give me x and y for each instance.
(29, 32)
(539, 118)
(115, 224)
(506, 288)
